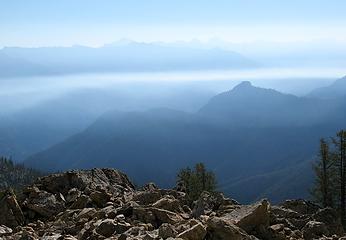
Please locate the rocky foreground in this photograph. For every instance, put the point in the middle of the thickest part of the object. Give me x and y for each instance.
(103, 204)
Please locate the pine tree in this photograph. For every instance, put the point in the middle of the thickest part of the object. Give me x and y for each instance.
(14, 175)
(324, 190)
(330, 170)
(195, 181)
(341, 146)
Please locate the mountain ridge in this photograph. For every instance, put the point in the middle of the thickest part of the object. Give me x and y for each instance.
(335, 90)
(128, 57)
(178, 140)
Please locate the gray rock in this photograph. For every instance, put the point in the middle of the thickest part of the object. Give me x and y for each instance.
(301, 206)
(331, 219)
(82, 201)
(5, 230)
(149, 187)
(122, 227)
(102, 203)
(11, 214)
(197, 232)
(92, 179)
(87, 213)
(209, 202)
(100, 198)
(106, 228)
(147, 198)
(314, 230)
(251, 217)
(166, 230)
(43, 203)
(169, 203)
(72, 195)
(223, 229)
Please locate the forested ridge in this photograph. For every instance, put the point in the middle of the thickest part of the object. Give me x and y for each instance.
(16, 175)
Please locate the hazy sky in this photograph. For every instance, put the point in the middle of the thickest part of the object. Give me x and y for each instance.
(95, 22)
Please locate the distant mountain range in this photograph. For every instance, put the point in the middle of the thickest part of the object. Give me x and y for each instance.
(13, 66)
(36, 127)
(336, 90)
(259, 142)
(125, 57)
(250, 106)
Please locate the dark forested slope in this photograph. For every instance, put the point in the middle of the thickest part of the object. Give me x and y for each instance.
(15, 175)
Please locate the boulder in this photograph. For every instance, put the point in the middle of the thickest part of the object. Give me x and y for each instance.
(72, 195)
(81, 202)
(155, 216)
(164, 216)
(181, 196)
(169, 203)
(209, 202)
(252, 217)
(54, 236)
(331, 219)
(284, 212)
(145, 198)
(149, 236)
(301, 206)
(197, 232)
(25, 233)
(299, 223)
(314, 230)
(104, 178)
(108, 212)
(100, 197)
(122, 227)
(149, 187)
(67, 237)
(86, 213)
(223, 229)
(144, 215)
(280, 232)
(11, 214)
(106, 228)
(127, 209)
(288, 217)
(5, 230)
(43, 203)
(86, 232)
(166, 230)
(277, 232)
(135, 231)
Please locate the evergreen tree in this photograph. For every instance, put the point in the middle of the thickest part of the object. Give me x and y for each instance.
(14, 175)
(195, 181)
(341, 153)
(325, 186)
(330, 170)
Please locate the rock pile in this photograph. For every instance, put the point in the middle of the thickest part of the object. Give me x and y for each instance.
(103, 204)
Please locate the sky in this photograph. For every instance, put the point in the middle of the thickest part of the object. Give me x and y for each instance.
(34, 23)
